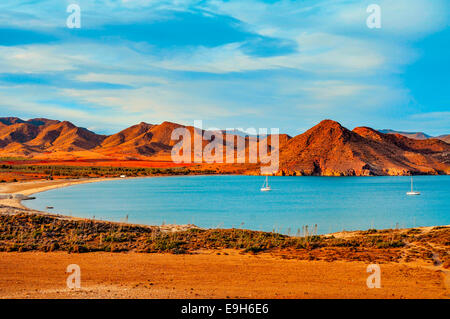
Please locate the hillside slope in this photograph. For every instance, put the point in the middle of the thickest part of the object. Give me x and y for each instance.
(18, 137)
(417, 135)
(332, 150)
(326, 149)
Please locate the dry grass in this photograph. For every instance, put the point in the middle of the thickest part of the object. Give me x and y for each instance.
(33, 232)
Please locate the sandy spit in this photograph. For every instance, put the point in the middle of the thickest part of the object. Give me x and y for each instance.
(14, 206)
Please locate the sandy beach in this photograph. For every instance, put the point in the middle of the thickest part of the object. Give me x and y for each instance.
(32, 187)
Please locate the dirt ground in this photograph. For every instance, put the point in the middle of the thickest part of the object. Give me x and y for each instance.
(208, 274)
(205, 273)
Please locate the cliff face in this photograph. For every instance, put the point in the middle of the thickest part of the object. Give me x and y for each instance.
(326, 149)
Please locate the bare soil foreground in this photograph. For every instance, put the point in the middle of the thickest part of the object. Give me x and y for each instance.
(131, 261)
(207, 274)
(120, 260)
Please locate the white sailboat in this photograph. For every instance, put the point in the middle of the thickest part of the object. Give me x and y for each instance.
(265, 187)
(412, 192)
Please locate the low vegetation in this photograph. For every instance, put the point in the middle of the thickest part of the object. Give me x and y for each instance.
(68, 171)
(25, 232)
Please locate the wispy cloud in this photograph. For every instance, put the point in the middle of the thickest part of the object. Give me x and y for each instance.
(125, 79)
(236, 62)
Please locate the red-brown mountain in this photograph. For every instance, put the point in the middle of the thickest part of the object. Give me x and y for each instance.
(142, 139)
(418, 135)
(326, 149)
(18, 137)
(445, 138)
(330, 149)
(64, 136)
(413, 135)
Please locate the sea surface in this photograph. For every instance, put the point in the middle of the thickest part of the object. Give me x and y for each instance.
(332, 203)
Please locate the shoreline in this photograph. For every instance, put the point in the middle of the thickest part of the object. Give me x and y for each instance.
(37, 186)
(33, 187)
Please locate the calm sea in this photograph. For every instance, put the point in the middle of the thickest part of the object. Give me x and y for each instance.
(333, 203)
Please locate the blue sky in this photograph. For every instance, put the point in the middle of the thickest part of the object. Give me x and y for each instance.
(232, 64)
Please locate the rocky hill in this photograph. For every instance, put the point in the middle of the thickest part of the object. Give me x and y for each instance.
(326, 149)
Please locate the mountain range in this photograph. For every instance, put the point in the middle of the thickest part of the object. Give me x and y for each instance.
(326, 149)
(332, 150)
(417, 135)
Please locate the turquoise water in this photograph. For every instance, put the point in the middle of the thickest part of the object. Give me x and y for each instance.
(333, 203)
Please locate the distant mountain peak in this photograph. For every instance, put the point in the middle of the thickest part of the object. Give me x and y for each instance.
(413, 135)
(327, 123)
(42, 121)
(11, 120)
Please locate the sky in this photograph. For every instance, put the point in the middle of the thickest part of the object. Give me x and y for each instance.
(232, 64)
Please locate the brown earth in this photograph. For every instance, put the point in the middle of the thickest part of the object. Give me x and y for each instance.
(97, 162)
(207, 274)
